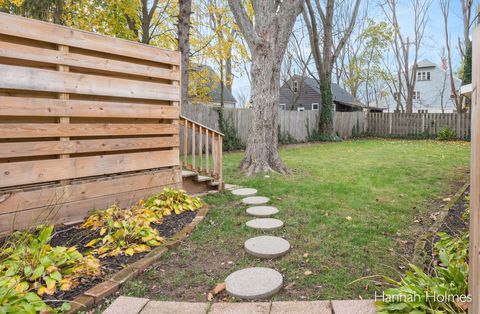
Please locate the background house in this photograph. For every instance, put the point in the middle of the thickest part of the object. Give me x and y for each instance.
(432, 90)
(303, 93)
(206, 88)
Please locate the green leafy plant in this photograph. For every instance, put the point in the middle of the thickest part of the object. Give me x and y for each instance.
(30, 260)
(446, 134)
(442, 291)
(14, 300)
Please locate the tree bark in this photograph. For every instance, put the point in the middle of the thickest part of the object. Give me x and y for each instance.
(262, 144)
(267, 40)
(184, 46)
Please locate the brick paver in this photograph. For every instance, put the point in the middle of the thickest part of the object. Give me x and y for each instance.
(129, 305)
(240, 308)
(126, 305)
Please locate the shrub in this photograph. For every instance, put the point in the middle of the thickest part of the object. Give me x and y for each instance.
(286, 138)
(37, 266)
(446, 134)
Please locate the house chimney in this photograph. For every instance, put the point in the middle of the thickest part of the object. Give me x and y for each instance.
(444, 63)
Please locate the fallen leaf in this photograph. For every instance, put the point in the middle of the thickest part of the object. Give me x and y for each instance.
(307, 273)
(348, 218)
(289, 286)
(218, 288)
(210, 297)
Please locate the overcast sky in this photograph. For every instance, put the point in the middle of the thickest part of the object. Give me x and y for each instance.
(434, 40)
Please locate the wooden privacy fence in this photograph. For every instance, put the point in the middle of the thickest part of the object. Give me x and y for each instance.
(85, 121)
(300, 125)
(417, 124)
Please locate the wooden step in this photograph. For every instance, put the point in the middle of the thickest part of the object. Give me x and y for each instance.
(188, 173)
(200, 178)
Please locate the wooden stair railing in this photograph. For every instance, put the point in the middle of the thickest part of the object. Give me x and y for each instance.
(202, 149)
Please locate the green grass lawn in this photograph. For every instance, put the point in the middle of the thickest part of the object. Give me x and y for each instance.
(351, 209)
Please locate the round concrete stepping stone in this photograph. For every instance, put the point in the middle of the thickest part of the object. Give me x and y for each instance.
(266, 224)
(262, 211)
(254, 283)
(244, 192)
(267, 246)
(255, 200)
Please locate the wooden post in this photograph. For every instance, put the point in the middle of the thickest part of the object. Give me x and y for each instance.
(185, 143)
(63, 96)
(207, 168)
(474, 257)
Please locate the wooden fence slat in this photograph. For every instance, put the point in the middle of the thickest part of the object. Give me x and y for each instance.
(45, 148)
(44, 107)
(29, 53)
(34, 79)
(37, 171)
(28, 28)
(27, 130)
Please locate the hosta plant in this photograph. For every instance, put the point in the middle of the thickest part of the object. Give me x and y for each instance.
(30, 260)
(122, 231)
(171, 200)
(15, 299)
(442, 291)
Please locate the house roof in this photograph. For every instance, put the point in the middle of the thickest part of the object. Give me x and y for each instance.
(425, 63)
(339, 94)
(215, 85)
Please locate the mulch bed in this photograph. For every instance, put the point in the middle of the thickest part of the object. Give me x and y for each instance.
(76, 236)
(453, 225)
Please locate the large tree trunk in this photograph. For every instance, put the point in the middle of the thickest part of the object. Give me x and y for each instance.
(327, 110)
(262, 145)
(184, 46)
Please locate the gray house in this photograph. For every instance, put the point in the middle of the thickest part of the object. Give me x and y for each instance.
(303, 93)
(432, 93)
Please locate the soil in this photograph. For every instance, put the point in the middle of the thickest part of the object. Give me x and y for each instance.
(76, 236)
(454, 225)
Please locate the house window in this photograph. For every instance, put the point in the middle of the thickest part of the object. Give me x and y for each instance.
(416, 95)
(295, 86)
(423, 76)
(283, 107)
(300, 109)
(315, 106)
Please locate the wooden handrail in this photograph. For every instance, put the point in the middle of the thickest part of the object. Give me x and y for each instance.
(200, 143)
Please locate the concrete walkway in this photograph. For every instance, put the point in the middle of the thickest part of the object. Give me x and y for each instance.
(130, 305)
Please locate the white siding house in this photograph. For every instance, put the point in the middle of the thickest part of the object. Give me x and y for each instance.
(432, 91)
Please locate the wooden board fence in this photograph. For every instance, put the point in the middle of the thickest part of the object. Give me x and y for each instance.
(85, 121)
(417, 124)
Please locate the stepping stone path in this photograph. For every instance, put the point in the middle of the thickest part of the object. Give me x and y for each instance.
(255, 200)
(254, 283)
(262, 211)
(258, 282)
(244, 192)
(265, 224)
(267, 246)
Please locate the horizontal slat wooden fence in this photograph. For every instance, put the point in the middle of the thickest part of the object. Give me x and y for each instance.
(85, 121)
